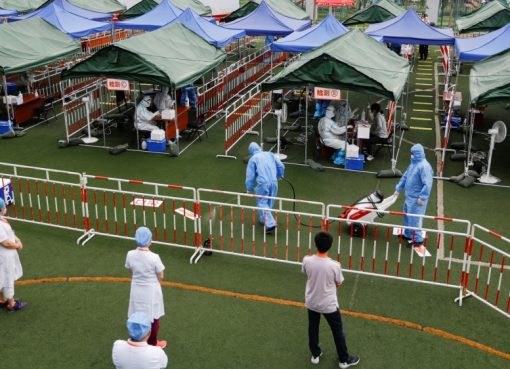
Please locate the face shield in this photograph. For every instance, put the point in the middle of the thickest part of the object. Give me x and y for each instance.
(330, 112)
(146, 101)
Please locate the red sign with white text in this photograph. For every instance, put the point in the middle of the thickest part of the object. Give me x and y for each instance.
(322, 93)
(117, 84)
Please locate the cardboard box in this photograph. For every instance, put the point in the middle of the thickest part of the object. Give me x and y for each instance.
(156, 146)
(363, 131)
(355, 163)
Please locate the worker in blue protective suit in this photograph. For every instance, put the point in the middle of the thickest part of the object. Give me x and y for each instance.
(264, 168)
(417, 182)
(189, 96)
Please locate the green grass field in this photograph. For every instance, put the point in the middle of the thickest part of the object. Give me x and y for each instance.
(73, 324)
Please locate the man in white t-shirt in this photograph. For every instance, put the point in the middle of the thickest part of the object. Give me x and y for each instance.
(10, 265)
(136, 353)
(324, 277)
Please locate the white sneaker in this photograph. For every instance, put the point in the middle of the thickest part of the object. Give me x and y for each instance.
(370, 158)
(351, 361)
(315, 360)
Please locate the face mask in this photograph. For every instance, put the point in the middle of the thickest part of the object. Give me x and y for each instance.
(330, 114)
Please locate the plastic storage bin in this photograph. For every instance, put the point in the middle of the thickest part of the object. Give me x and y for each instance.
(355, 163)
(5, 126)
(156, 145)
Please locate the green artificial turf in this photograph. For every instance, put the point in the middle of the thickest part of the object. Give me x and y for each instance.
(77, 323)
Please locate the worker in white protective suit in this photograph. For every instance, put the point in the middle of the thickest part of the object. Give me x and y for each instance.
(332, 134)
(144, 119)
(162, 100)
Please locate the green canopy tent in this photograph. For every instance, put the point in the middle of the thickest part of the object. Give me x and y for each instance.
(284, 7)
(196, 5)
(487, 18)
(489, 80)
(140, 8)
(353, 61)
(22, 6)
(144, 58)
(102, 6)
(375, 13)
(30, 44)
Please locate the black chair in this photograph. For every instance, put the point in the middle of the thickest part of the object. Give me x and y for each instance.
(42, 112)
(321, 150)
(385, 143)
(196, 125)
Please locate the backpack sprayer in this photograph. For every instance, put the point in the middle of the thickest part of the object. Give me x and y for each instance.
(363, 210)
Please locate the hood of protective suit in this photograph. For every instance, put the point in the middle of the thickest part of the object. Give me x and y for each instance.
(254, 148)
(165, 90)
(146, 101)
(330, 112)
(418, 153)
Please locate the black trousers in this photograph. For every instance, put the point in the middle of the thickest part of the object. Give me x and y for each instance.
(424, 52)
(373, 140)
(335, 322)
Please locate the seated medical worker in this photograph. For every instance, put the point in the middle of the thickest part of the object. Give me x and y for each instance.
(144, 119)
(162, 100)
(332, 134)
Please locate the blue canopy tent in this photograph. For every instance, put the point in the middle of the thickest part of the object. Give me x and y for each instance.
(264, 21)
(85, 13)
(477, 48)
(318, 35)
(69, 23)
(215, 35)
(408, 28)
(158, 17)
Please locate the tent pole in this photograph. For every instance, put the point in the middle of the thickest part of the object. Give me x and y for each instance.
(6, 98)
(177, 139)
(306, 124)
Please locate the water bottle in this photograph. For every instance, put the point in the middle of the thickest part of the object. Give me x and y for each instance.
(187, 101)
(144, 144)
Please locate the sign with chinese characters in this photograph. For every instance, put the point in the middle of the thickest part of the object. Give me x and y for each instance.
(117, 84)
(322, 93)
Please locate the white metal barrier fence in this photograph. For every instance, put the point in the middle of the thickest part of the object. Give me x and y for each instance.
(243, 114)
(486, 274)
(456, 254)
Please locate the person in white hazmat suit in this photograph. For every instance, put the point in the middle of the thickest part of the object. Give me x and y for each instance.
(332, 134)
(162, 100)
(144, 119)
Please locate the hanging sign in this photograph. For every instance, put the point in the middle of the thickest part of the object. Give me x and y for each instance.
(117, 84)
(322, 93)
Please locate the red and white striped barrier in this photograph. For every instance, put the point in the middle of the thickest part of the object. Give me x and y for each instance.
(455, 253)
(445, 62)
(244, 114)
(379, 248)
(486, 275)
(120, 207)
(230, 221)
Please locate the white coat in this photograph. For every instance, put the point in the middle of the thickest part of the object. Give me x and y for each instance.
(331, 133)
(10, 265)
(143, 118)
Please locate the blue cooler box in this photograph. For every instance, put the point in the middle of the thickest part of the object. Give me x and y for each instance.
(6, 192)
(156, 146)
(5, 126)
(355, 163)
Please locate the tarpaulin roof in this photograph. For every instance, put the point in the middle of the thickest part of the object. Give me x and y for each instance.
(284, 7)
(408, 28)
(140, 8)
(264, 21)
(311, 38)
(85, 13)
(158, 17)
(6, 12)
(375, 13)
(21, 5)
(75, 26)
(103, 6)
(478, 48)
(31, 43)
(196, 5)
(216, 35)
(353, 61)
(487, 18)
(489, 80)
(143, 58)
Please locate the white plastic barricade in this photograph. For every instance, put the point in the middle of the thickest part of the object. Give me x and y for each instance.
(117, 207)
(231, 223)
(486, 275)
(244, 114)
(379, 248)
(45, 196)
